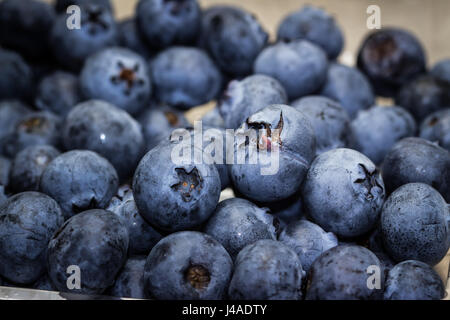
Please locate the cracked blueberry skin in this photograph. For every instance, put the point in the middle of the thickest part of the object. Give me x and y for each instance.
(98, 30)
(15, 76)
(417, 160)
(415, 224)
(390, 58)
(58, 92)
(79, 180)
(119, 76)
(164, 23)
(349, 87)
(413, 280)
(111, 132)
(96, 241)
(172, 193)
(25, 26)
(242, 98)
(11, 113)
(237, 223)
(308, 240)
(343, 192)
(233, 37)
(340, 273)
(130, 281)
(61, 5)
(300, 66)
(377, 129)
(35, 128)
(28, 166)
(330, 121)
(142, 236)
(188, 265)
(436, 127)
(266, 270)
(130, 37)
(273, 151)
(313, 24)
(185, 77)
(27, 223)
(158, 123)
(424, 95)
(441, 70)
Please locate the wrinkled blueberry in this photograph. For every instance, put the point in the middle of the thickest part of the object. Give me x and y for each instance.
(343, 192)
(313, 24)
(266, 270)
(415, 224)
(237, 223)
(248, 96)
(391, 57)
(185, 77)
(300, 66)
(95, 241)
(188, 266)
(15, 76)
(142, 236)
(130, 281)
(308, 240)
(417, 160)
(342, 273)
(27, 223)
(436, 128)
(349, 87)
(79, 180)
(111, 132)
(377, 129)
(273, 151)
(330, 121)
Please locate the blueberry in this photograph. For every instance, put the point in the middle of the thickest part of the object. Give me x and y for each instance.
(342, 273)
(300, 66)
(237, 223)
(163, 23)
(36, 128)
(101, 127)
(417, 160)
(130, 281)
(436, 127)
(377, 129)
(58, 92)
(96, 242)
(213, 119)
(15, 76)
(175, 194)
(413, 280)
(275, 162)
(330, 121)
(185, 77)
(287, 210)
(11, 112)
(391, 57)
(308, 240)
(44, 283)
(72, 46)
(424, 95)
(25, 26)
(188, 265)
(248, 96)
(266, 270)
(349, 87)
(313, 24)
(27, 222)
(142, 236)
(28, 166)
(343, 192)
(158, 123)
(375, 244)
(62, 5)
(119, 76)
(233, 37)
(79, 180)
(131, 38)
(441, 70)
(5, 168)
(415, 224)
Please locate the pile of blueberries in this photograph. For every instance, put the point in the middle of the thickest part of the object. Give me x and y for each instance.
(358, 208)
